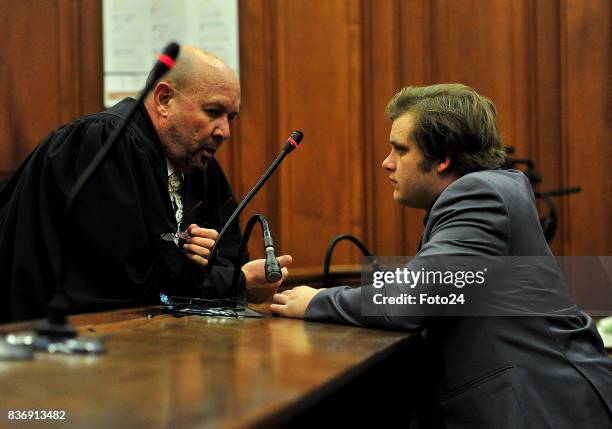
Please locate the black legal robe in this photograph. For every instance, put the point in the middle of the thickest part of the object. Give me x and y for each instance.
(114, 256)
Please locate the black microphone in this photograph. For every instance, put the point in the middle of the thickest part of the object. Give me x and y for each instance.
(549, 222)
(165, 62)
(272, 267)
(56, 326)
(293, 141)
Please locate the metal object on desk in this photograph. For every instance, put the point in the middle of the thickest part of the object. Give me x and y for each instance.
(22, 345)
(9, 351)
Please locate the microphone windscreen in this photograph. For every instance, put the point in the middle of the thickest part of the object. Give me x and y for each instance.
(165, 62)
(172, 50)
(297, 136)
(166, 59)
(293, 141)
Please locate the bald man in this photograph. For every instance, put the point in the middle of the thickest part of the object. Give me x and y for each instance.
(160, 178)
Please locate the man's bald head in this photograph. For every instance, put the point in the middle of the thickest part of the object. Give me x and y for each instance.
(195, 66)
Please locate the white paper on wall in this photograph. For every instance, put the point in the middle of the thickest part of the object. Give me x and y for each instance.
(136, 31)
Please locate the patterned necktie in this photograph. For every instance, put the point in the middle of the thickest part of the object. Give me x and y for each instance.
(175, 183)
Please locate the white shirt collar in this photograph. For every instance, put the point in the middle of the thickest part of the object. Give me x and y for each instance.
(170, 168)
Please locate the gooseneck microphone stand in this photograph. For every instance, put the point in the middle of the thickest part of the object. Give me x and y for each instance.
(272, 267)
(548, 222)
(228, 307)
(236, 306)
(292, 143)
(327, 277)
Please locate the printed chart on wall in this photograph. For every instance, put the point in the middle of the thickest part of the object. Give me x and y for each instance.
(136, 31)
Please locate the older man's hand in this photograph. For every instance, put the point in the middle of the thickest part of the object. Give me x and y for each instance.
(257, 287)
(199, 246)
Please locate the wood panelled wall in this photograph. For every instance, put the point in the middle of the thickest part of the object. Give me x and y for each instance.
(328, 67)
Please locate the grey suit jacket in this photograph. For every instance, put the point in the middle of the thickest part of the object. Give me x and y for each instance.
(492, 372)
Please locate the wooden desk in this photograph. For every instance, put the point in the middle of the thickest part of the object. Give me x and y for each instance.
(200, 372)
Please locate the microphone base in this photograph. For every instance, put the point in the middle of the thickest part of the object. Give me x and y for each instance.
(56, 338)
(249, 312)
(55, 331)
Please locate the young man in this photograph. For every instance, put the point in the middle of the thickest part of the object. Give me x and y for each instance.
(161, 177)
(475, 372)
